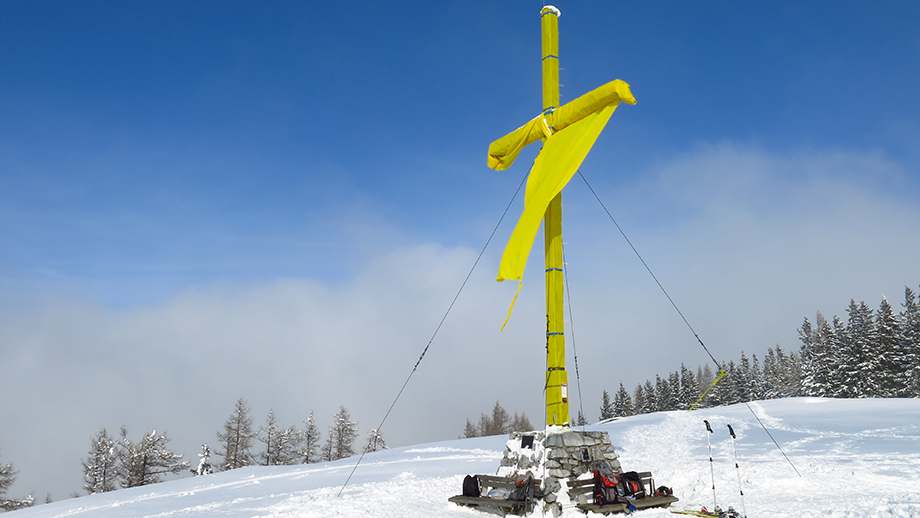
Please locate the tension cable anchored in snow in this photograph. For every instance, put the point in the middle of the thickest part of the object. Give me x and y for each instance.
(690, 327)
(437, 329)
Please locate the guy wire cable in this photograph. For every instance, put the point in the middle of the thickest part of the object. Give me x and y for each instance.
(441, 323)
(568, 295)
(719, 365)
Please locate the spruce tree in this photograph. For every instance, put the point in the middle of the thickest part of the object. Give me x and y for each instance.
(640, 403)
(580, 419)
(887, 355)
(757, 387)
(704, 379)
(837, 385)
(688, 391)
(674, 390)
(910, 343)
(857, 361)
(663, 395)
(606, 407)
(651, 397)
(743, 385)
(100, 468)
(622, 403)
(237, 438)
(770, 375)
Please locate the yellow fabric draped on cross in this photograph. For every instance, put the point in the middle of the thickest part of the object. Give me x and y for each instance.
(573, 129)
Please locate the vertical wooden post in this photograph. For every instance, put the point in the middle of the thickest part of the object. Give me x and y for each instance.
(557, 398)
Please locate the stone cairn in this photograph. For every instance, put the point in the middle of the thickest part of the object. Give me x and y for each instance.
(556, 456)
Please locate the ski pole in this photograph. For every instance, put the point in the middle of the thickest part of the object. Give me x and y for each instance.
(737, 470)
(711, 471)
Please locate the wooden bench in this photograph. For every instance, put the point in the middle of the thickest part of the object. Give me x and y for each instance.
(582, 492)
(505, 505)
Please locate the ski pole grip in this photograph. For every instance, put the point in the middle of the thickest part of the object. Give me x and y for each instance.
(708, 428)
(731, 431)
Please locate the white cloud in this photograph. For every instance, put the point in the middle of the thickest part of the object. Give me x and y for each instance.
(747, 243)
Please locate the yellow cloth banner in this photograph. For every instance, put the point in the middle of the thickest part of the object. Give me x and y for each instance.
(557, 162)
(503, 151)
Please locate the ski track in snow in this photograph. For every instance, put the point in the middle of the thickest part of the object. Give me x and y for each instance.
(858, 458)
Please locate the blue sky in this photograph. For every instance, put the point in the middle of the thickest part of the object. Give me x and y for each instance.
(209, 183)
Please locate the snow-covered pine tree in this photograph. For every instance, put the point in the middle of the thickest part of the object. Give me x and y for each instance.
(818, 357)
(663, 395)
(809, 359)
(237, 438)
(622, 403)
(910, 343)
(674, 389)
(743, 385)
(580, 419)
(640, 403)
(888, 355)
(340, 442)
(651, 397)
(857, 359)
(204, 462)
(789, 373)
(309, 449)
(770, 375)
(144, 462)
(7, 478)
(704, 379)
(688, 393)
(606, 407)
(836, 386)
(375, 441)
(100, 468)
(757, 388)
(727, 389)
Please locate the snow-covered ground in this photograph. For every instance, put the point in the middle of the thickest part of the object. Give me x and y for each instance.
(856, 458)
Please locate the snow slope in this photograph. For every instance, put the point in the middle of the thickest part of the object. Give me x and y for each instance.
(856, 458)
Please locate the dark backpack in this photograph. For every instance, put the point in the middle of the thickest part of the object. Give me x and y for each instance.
(523, 488)
(605, 489)
(471, 486)
(633, 484)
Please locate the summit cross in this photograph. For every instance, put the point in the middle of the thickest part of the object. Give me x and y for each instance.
(568, 132)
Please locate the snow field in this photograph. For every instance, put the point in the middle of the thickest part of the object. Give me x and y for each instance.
(858, 458)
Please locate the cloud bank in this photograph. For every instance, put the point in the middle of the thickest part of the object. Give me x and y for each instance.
(747, 243)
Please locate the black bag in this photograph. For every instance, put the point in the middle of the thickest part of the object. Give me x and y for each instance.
(633, 484)
(471, 486)
(605, 489)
